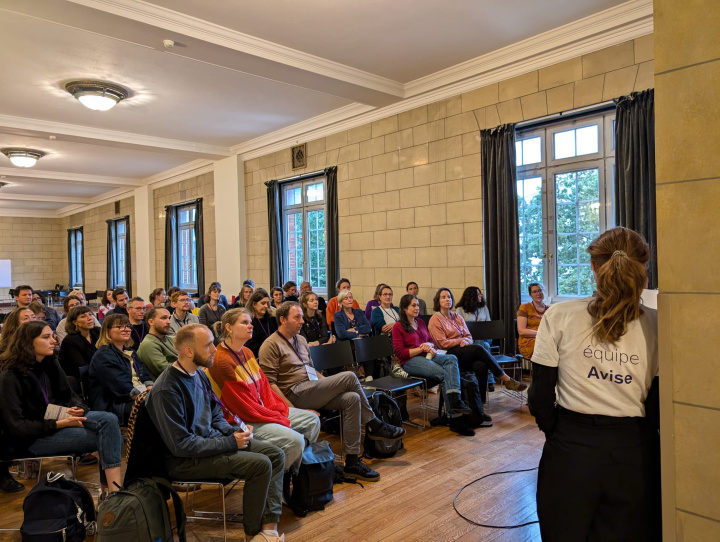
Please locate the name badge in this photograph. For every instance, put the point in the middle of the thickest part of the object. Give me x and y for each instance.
(240, 423)
(311, 372)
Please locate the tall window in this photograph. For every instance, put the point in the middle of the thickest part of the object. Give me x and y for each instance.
(305, 232)
(118, 272)
(75, 257)
(184, 264)
(564, 186)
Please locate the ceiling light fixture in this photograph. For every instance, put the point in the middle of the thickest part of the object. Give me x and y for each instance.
(23, 157)
(96, 95)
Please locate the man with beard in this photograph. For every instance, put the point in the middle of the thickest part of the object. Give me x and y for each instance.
(157, 350)
(120, 300)
(189, 417)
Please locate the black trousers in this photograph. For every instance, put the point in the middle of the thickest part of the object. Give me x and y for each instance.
(599, 480)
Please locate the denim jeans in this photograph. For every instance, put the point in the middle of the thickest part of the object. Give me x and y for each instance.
(100, 432)
(441, 367)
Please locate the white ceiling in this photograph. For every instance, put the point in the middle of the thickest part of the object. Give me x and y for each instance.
(247, 75)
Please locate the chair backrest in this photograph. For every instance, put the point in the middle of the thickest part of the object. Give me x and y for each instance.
(425, 318)
(481, 331)
(371, 348)
(331, 356)
(146, 451)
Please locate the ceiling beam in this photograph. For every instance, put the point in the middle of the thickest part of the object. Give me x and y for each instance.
(112, 138)
(39, 197)
(57, 176)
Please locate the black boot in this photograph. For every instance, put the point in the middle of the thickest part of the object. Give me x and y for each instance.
(457, 405)
(461, 428)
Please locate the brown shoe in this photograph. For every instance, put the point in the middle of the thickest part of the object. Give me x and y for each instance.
(514, 385)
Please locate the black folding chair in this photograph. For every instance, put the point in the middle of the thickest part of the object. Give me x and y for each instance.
(425, 318)
(378, 347)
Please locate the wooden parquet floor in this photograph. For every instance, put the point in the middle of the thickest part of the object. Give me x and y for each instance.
(413, 500)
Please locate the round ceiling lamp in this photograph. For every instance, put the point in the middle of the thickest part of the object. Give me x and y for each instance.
(23, 157)
(96, 95)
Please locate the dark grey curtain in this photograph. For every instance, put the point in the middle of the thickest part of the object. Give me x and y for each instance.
(200, 246)
(332, 250)
(635, 170)
(277, 254)
(128, 267)
(500, 226)
(110, 277)
(170, 246)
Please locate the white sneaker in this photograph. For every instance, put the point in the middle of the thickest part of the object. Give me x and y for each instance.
(262, 537)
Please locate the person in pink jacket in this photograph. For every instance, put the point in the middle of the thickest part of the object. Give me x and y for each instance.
(449, 331)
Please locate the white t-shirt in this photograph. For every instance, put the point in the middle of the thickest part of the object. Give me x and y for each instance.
(596, 378)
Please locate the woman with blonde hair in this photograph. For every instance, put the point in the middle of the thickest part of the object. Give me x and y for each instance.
(596, 359)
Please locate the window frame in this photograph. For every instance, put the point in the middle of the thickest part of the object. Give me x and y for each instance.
(603, 160)
(119, 245)
(75, 267)
(304, 208)
(181, 228)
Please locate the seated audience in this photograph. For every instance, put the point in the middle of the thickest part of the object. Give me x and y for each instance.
(350, 323)
(24, 296)
(449, 332)
(80, 295)
(169, 304)
(13, 321)
(243, 297)
(120, 301)
(116, 373)
(374, 302)
(31, 380)
(249, 282)
(212, 310)
(314, 329)
(290, 291)
(202, 445)
(412, 288)
(181, 316)
(386, 315)
(333, 306)
(222, 300)
(472, 308)
(106, 304)
(277, 296)
(529, 316)
(263, 323)
(136, 310)
(79, 345)
(246, 392)
(37, 296)
(45, 313)
(285, 360)
(157, 351)
(307, 287)
(158, 297)
(69, 303)
(419, 357)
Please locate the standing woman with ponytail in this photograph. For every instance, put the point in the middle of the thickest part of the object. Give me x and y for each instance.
(599, 476)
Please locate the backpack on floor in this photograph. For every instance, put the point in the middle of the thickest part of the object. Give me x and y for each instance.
(139, 513)
(312, 486)
(388, 411)
(58, 509)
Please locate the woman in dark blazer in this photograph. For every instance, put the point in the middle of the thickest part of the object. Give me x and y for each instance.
(315, 329)
(350, 323)
(78, 347)
(116, 373)
(264, 324)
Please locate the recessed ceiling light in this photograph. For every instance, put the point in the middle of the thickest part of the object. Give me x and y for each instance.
(23, 157)
(96, 95)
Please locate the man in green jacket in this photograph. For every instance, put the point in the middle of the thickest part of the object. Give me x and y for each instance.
(157, 350)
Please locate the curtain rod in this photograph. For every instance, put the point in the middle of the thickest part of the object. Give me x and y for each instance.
(574, 113)
(300, 177)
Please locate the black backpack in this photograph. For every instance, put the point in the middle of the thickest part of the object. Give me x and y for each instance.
(312, 486)
(471, 395)
(388, 411)
(139, 512)
(58, 509)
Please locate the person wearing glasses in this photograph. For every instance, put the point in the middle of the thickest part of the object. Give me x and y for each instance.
(181, 316)
(116, 373)
(136, 314)
(385, 315)
(374, 302)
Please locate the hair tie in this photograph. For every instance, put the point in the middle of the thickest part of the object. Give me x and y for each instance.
(618, 252)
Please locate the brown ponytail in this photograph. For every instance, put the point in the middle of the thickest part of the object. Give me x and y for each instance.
(619, 256)
(229, 318)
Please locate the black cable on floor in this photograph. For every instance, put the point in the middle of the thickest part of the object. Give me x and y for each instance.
(483, 524)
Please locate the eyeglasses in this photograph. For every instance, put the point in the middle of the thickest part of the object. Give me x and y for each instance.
(123, 327)
(386, 295)
(183, 300)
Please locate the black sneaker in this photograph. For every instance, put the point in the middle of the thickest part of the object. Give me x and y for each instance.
(461, 428)
(360, 471)
(486, 418)
(385, 432)
(457, 405)
(10, 485)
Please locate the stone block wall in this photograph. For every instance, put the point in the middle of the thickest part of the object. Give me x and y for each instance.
(410, 193)
(187, 190)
